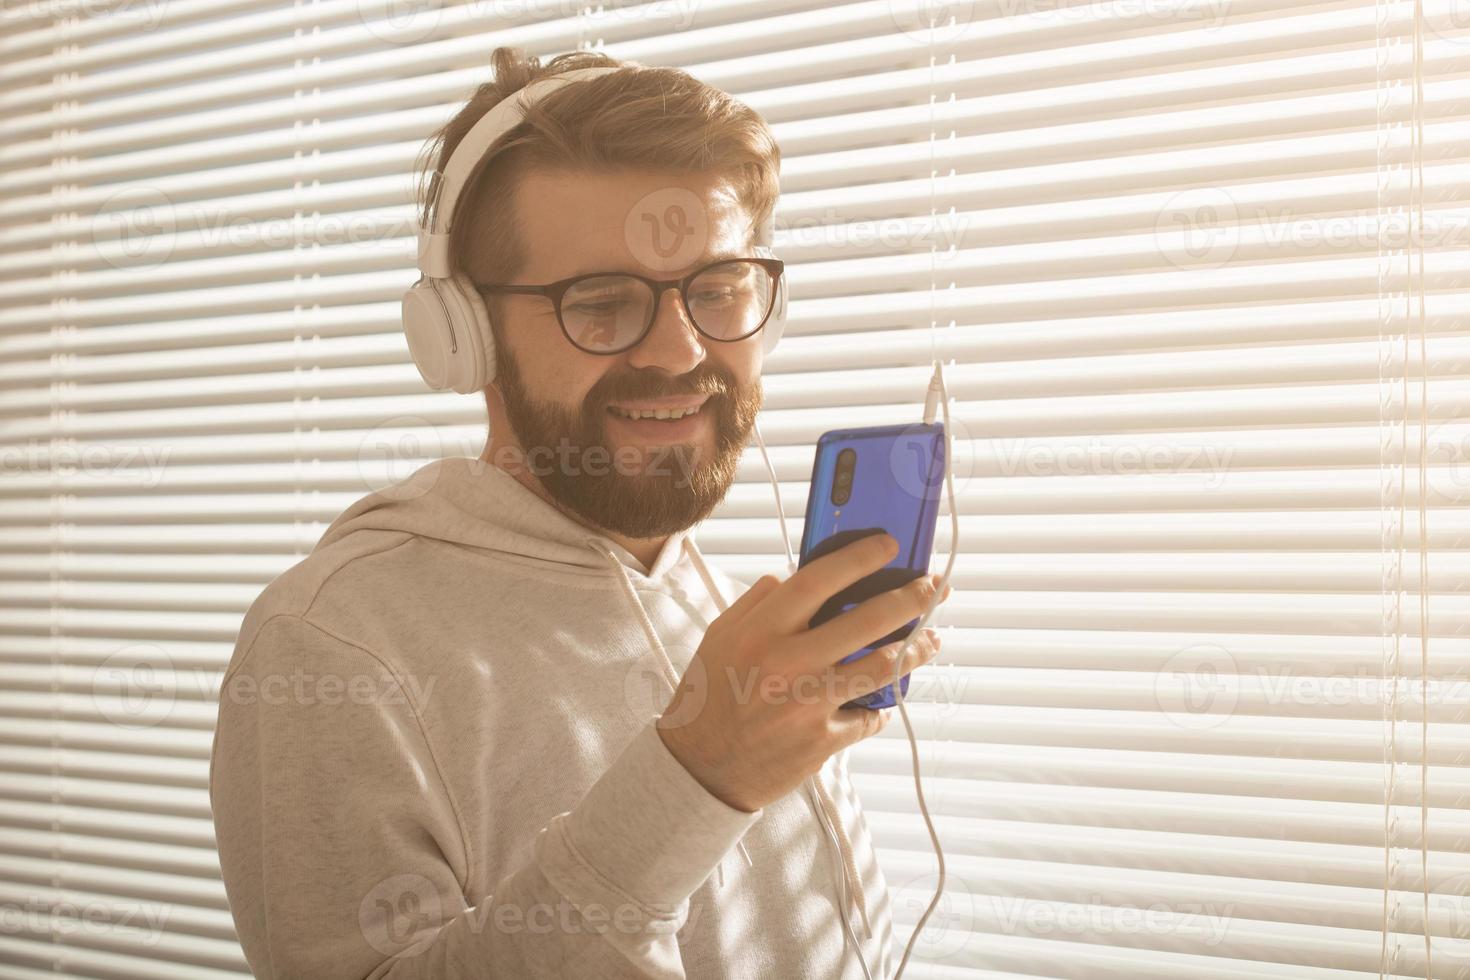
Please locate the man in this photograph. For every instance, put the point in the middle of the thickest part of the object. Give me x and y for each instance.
(496, 723)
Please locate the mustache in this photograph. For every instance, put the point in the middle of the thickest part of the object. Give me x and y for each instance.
(623, 391)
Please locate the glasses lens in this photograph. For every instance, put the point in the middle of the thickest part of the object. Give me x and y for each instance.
(729, 300)
(606, 313)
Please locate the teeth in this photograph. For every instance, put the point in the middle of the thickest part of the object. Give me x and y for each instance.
(662, 413)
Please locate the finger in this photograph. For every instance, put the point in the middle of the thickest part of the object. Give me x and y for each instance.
(875, 670)
(852, 725)
(866, 622)
(792, 607)
(749, 599)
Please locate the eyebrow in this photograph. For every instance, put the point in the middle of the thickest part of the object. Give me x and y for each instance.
(706, 260)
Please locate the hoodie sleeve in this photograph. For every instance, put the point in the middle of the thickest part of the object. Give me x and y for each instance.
(343, 855)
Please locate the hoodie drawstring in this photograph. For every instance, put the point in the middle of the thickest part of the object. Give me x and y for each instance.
(818, 788)
(670, 672)
(854, 880)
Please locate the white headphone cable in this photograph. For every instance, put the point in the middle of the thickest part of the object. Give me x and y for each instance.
(936, 397)
(780, 510)
(937, 391)
(842, 891)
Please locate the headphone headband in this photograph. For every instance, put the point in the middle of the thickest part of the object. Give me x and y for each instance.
(447, 184)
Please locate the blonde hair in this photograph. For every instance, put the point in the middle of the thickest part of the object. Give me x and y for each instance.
(654, 119)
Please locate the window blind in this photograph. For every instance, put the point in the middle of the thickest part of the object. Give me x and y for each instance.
(1196, 271)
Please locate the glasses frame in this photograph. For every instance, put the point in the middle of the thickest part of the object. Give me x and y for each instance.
(554, 291)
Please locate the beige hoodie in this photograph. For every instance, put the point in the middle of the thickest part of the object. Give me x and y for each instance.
(436, 758)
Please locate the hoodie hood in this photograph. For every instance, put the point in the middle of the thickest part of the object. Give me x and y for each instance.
(475, 504)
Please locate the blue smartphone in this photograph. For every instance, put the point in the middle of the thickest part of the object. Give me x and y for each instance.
(867, 481)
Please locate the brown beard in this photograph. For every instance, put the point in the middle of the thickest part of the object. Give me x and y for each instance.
(647, 492)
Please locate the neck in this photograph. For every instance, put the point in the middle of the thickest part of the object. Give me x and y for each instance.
(644, 549)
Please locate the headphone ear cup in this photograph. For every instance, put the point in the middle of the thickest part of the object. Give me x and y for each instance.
(479, 325)
(771, 332)
(465, 353)
(426, 327)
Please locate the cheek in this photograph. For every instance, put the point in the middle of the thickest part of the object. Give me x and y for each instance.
(554, 370)
(744, 365)
(576, 377)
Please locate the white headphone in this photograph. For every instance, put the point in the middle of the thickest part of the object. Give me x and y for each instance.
(444, 315)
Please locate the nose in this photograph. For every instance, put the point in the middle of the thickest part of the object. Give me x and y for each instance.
(672, 343)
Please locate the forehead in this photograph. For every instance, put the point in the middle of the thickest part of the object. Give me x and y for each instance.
(631, 221)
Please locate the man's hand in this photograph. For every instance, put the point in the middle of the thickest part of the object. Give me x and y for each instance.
(760, 707)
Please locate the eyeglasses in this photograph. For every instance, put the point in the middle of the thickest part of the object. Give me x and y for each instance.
(608, 313)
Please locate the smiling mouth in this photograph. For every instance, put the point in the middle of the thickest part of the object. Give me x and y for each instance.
(659, 415)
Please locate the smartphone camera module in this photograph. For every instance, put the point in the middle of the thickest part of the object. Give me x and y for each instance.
(842, 478)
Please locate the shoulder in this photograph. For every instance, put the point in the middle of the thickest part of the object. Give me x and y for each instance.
(316, 598)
